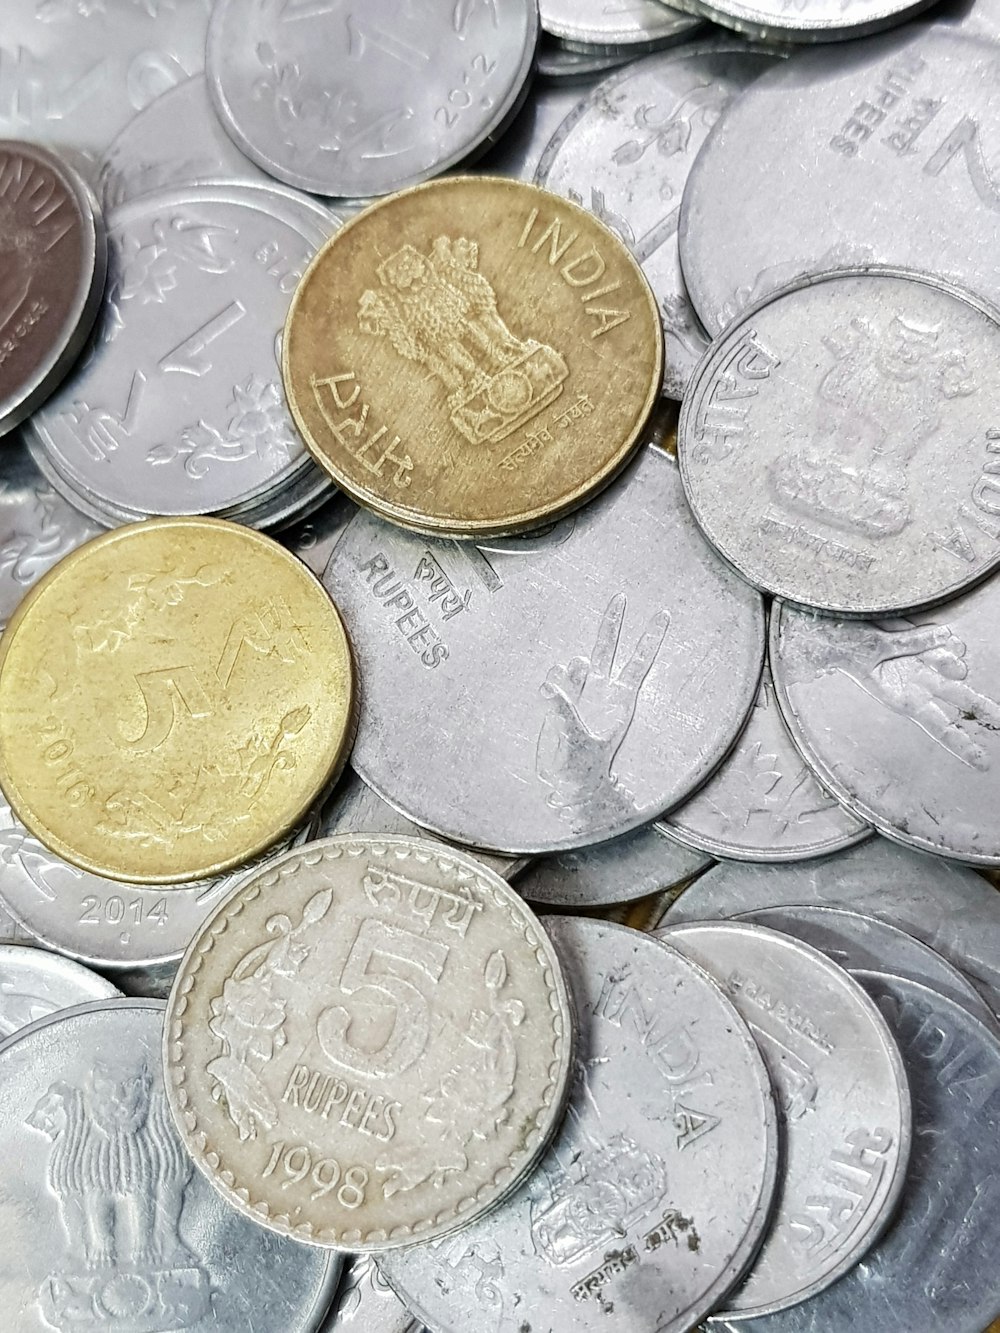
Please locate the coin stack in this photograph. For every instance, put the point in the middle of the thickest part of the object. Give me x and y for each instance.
(498, 550)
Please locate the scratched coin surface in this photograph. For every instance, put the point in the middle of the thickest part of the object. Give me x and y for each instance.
(842, 1089)
(75, 71)
(912, 116)
(368, 1043)
(363, 101)
(764, 804)
(365, 1303)
(34, 983)
(473, 357)
(900, 718)
(173, 697)
(108, 1228)
(177, 406)
(935, 1267)
(53, 261)
(614, 658)
(863, 943)
(837, 444)
(947, 906)
(651, 1201)
(625, 151)
(631, 27)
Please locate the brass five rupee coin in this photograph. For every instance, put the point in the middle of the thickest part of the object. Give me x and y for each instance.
(473, 357)
(173, 697)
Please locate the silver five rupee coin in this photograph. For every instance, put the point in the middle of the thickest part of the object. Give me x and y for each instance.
(368, 1043)
(107, 1226)
(557, 689)
(652, 1200)
(35, 983)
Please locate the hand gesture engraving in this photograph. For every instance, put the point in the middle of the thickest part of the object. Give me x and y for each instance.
(591, 707)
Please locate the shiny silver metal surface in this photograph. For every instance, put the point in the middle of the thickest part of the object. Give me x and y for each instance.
(365, 1303)
(521, 148)
(630, 26)
(794, 21)
(653, 1198)
(558, 689)
(34, 984)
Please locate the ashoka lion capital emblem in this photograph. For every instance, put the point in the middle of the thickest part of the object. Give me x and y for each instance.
(441, 312)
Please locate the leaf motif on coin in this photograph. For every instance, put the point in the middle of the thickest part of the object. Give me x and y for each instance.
(259, 425)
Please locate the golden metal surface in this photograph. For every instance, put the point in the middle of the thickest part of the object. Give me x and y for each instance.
(473, 357)
(173, 697)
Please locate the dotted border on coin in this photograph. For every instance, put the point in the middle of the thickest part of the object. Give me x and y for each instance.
(196, 1139)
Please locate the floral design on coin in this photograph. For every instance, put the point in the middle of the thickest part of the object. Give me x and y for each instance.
(386, 1060)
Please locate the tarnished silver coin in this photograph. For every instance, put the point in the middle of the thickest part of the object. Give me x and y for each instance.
(625, 151)
(799, 21)
(53, 262)
(901, 718)
(591, 675)
(37, 527)
(365, 1303)
(76, 71)
(618, 871)
(948, 907)
(652, 1200)
(630, 26)
(764, 804)
(914, 116)
(34, 984)
(178, 407)
(174, 141)
(361, 103)
(864, 943)
(836, 444)
(935, 1268)
(368, 1043)
(842, 1089)
(108, 1228)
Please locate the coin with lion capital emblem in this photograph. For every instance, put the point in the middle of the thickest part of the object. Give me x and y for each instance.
(174, 696)
(473, 357)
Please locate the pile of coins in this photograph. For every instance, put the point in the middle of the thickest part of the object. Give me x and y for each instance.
(467, 462)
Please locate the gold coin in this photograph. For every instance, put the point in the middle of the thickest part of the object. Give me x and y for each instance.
(173, 697)
(473, 357)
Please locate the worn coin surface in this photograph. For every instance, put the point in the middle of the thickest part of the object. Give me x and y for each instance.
(794, 21)
(589, 676)
(351, 103)
(106, 1223)
(764, 804)
(864, 943)
(625, 151)
(368, 1043)
(174, 141)
(949, 907)
(195, 697)
(473, 357)
(35, 983)
(652, 1200)
(365, 1303)
(935, 1267)
(628, 26)
(914, 116)
(840, 1082)
(177, 407)
(901, 719)
(53, 262)
(837, 442)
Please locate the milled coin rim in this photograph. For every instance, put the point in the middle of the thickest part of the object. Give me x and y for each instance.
(551, 1102)
(339, 751)
(411, 516)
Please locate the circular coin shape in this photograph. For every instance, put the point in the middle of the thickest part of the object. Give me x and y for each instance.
(595, 25)
(652, 1200)
(591, 676)
(900, 718)
(474, 357)
(836, 443)
(825, 21)
(106, 1223)
(173, 697)
(34, 984)
(842, 1088)
(380, 1059)
(950, 908)
(361, 104)
(53, 262)
(935, 1267)
(914, 116)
